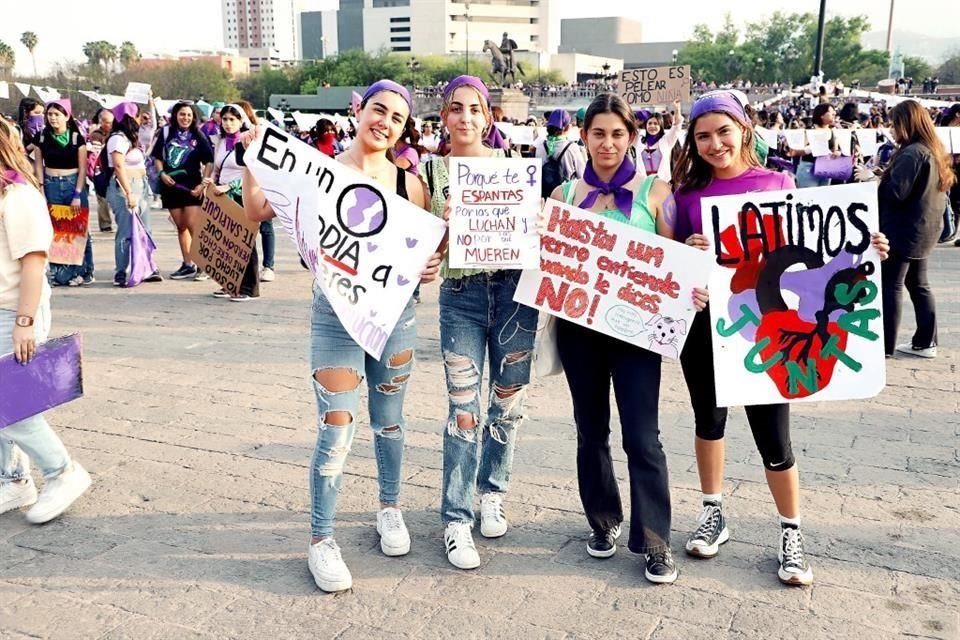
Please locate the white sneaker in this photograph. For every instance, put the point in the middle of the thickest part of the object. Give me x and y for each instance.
(59, 493)
(327, 566)
(493, 521)
(201, 277)
(394, 537)
(267, 275)
(14, 495)
(461, 552)
(910, 350)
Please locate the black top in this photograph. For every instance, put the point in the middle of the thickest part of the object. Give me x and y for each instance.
(182, 160)
(57, 156)
(911, 202)
(402, 183)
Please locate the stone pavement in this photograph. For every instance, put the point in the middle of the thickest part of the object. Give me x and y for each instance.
(199, 423)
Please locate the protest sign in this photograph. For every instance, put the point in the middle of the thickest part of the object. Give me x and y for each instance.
(649, 86)
(795, 306)
(616, 279)
(365, 246)
(522, 135)
(819, 141)
(138, 92)
(222, 245)
(494, 206)
(955, 138)
(52, 378)
(69, 234)
(796, 138)
(944, 134)
(867, 139)
(4, 90)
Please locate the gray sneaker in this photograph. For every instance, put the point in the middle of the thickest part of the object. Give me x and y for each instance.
(711, 532)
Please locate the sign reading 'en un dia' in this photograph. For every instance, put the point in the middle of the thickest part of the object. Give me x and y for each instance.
(365, 246)
(494, 205)
(649, 86)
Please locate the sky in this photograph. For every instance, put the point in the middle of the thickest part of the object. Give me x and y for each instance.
(154, 29)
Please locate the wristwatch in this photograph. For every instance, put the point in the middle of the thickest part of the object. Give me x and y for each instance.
(24, 321)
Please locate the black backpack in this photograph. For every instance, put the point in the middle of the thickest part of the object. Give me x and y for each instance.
(553, 173)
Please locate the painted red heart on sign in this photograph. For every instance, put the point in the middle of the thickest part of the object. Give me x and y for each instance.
(797, 341)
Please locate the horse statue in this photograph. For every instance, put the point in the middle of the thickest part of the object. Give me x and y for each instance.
(500, 64)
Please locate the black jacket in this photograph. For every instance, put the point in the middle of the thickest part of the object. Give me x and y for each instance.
(911, 202)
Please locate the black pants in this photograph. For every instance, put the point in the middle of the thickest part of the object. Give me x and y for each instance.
(590, 360)
(895, 272)
(250, 285)
(770, 423)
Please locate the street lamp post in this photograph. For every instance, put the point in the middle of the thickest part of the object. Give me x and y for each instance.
(413, 64)
(673, 56)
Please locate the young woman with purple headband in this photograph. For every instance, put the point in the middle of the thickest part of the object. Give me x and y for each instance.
(477, 317)
(654, 148)
(717, 159)
(613, 188)
(339, 364)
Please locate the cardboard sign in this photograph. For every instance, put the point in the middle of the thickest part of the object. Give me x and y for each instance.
(138, 92)
(795, 305)
(648, 86)
(69, 234)
(616, 279)
(493, 222)
(224, 240)
(52, 378)
(365, 245)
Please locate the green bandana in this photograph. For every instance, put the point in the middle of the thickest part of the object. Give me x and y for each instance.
(62, 139)
(552, 145)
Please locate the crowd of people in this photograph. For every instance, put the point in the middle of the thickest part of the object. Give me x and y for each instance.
(640, 168)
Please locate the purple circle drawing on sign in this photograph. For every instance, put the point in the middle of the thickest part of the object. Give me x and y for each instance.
(362, 210)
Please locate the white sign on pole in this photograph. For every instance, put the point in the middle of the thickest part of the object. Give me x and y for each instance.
(138, 92)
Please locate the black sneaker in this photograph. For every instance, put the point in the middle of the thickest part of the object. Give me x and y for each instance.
(711, 532)
(603, 543)
(184, 272)
(794, 569)
(660, 568)
(120, 279)
(154, 277)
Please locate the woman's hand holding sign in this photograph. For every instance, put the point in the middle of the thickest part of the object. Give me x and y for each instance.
(429, 273)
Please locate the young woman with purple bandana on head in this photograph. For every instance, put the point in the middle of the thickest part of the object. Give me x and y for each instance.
(654, 147)
(718, 158)
(613, 188)
(339, 364)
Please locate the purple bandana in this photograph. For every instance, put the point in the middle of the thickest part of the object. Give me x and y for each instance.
(720, 102)
(388, 85)
(466, 81)
(622, 197)
(124, 109)
(34, 124)
(231, 140)
(13, 177)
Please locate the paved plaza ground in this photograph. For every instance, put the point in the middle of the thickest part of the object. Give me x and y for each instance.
(199, 422)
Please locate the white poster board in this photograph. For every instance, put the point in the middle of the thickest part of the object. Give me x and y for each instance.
(616, 279)
(138, 92)
(365, 246)
(494, 206)
(795, 303)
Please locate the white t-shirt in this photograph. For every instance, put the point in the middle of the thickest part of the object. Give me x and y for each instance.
(25, 228)
(132, 157)
(226, 164)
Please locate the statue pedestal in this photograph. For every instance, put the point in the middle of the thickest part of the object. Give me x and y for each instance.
(515, 103)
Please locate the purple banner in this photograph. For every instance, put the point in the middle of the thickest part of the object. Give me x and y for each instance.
(53, 377)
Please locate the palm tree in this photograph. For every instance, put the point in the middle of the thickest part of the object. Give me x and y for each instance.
(29, 40)
(128, 54)
(8, 58)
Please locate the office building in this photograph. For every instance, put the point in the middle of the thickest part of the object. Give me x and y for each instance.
(263, 30)
(615, 37)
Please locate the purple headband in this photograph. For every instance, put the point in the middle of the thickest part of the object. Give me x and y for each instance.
(388, 85)
(722, 102)
(124, 109)
(466, 81)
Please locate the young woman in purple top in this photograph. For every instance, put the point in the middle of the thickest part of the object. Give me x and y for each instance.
(718, 158)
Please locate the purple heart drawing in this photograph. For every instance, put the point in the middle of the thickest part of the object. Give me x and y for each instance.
(402, 281)
(411, 243)
(373, 313)
(371, 247)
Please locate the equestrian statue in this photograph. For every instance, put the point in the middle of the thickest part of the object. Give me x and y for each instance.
(501, 60)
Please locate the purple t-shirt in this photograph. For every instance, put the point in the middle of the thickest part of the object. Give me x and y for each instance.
(752, 180)
(411, 155)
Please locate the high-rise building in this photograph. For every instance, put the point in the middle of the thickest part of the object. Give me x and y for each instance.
(266, 31)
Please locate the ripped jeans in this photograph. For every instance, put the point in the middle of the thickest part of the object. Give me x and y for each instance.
(331, 349)
(478, 316)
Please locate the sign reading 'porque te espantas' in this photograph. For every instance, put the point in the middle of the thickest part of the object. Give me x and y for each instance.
(655, 85)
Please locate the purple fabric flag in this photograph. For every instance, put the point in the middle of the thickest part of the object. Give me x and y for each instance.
(52, 378)
(141, 252)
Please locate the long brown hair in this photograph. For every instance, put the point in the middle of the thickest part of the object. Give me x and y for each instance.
(915, 125)
(13, 156)
(692, 172)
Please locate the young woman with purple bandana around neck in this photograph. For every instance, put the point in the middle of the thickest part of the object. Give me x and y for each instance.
(477, 317)
(613, 188)
(339, 364)
(654, 147)
(717, 159)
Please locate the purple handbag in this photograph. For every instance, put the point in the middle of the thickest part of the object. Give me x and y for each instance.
(839, 168)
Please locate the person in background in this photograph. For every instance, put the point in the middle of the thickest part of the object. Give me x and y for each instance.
(97, 140)
(268, 239)
(824, 117)
(654, 149)
(429, 141)
(406, 154)
(556, 146)
(25, 237)
(147, 136)
(31, 120)
(324, 136)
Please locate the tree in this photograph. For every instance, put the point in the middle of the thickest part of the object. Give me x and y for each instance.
(128, 54)
(916, 67)
(29, 40)
(8, 58)
(184, 79)
(949, 71)
(100, 54)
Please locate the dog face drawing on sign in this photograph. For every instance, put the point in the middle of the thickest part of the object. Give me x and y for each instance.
(665, 333)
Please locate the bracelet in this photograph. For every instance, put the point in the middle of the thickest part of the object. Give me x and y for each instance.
(77, 194)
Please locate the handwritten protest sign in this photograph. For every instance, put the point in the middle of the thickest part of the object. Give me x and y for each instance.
(52, 378)
(365, 246)
(616, 279)
(69, 234)
(493, 222)
(4, 91)
(655, 85)
(138, 92)
(221, 247)
(795, 306)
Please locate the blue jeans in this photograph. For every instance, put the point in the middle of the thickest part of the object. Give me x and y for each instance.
(269, 243)
(478, 316)
(121, 243)
(59, 190)
(32, 436)
(805, 177)
(331, 347)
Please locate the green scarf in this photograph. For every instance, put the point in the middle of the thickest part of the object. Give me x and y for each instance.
(62, 139)
(552, 145)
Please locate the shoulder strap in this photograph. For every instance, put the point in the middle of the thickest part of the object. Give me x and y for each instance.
(569, 190)
(564, 150)
(429, 170)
